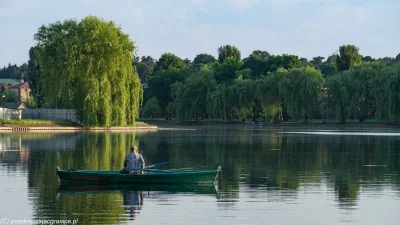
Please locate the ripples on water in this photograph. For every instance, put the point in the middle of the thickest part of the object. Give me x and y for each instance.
(344, 133)
(268, 177)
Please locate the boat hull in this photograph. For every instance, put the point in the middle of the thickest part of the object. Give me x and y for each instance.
(149, 177)
(110, 188)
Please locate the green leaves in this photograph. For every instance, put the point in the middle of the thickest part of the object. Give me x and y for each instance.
(203, 59)
(152, 108)
(228, 51)
(348, 57)
(169, 61)
(226, 71)
(87, 66)
(257, 62)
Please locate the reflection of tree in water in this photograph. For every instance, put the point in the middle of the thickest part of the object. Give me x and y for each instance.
(96, 151)
(276, 163)
(133, 202)
(286, 162)
(347, 194)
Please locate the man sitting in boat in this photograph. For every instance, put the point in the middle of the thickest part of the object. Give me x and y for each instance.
(132, 161)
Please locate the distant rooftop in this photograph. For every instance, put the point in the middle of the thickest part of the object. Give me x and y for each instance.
(14, 105)
(21, 85)
(9, 81)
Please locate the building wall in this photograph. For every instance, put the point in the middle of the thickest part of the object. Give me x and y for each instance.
(24, 94)
(50, 114)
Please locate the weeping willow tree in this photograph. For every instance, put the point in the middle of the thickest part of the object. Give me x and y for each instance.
(364, 76)
(190, 97)
(305, 87)
(343, 94)
(291, 93)
(87, 66)
(348, 57)
(267, 93)
(386, 93)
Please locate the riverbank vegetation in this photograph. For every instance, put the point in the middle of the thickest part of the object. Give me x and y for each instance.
(272, 88)
(91, 66)
(38, 122)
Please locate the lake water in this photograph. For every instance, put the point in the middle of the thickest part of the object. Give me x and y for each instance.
(269, 176)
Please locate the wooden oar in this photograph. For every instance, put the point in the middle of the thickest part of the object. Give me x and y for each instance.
(183, 168)
(147, 168)
(158, 164)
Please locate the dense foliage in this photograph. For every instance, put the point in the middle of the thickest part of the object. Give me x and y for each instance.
(87, 66)
(90, 66)
(276, 88)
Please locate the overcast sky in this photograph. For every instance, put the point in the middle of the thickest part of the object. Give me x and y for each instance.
(306, 28)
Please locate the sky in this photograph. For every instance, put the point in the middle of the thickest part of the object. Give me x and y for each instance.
(306, 28)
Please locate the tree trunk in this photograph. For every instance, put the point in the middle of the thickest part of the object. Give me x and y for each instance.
(284, 112)
(343, 120)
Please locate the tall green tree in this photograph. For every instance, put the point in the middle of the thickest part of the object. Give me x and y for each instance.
(257, 62)
(226, 72)
(168, 61)
(306, 85)
(190, 97)
(221, 102)
(152, 108)
(317, 61)
(386, 94)
(272, 93)
(160, 84)
(203, 59)
(348, 57)
(35, 75)
(246, 90)
(283, 61)
(144, 67)
(228, 51)
(87, 66)
(329, 67)
(343, 89)
(364, 76)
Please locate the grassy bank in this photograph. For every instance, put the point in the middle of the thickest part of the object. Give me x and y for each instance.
(29, 122)
(51, 123)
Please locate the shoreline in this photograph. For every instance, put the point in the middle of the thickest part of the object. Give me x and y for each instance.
(161, 124)
(166, 124)
(36, 128)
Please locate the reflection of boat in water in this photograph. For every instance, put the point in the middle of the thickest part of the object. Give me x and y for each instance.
(169, 189)
(134, 195)
(150, 176)
(133, 202)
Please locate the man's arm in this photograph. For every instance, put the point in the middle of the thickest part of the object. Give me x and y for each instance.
(125, 162)
(142, 161)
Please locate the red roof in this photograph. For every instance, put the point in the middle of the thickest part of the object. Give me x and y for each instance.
(21, 85)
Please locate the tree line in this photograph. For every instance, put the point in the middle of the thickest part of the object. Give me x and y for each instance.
(267, 87)
(91, 66)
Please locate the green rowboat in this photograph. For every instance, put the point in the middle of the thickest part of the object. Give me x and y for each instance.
(150, 176)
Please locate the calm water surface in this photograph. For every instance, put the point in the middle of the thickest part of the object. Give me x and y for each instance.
(268, 177)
